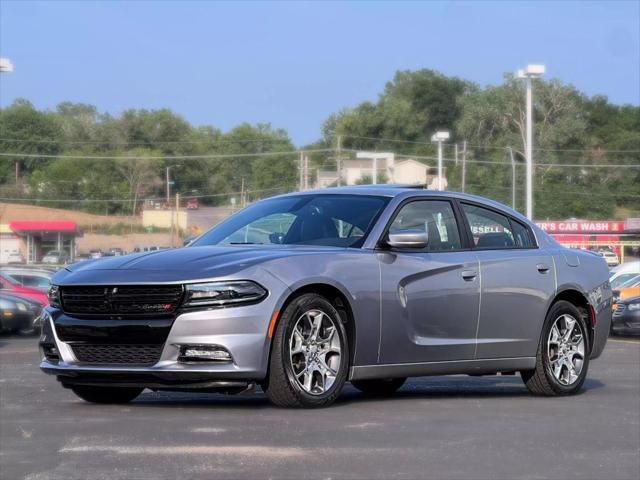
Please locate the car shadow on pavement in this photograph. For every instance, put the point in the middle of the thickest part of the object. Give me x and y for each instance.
(415, 389)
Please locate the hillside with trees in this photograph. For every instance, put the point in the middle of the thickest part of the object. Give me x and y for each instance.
(586, 149)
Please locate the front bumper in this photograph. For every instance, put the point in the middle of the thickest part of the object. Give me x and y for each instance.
(242, 331)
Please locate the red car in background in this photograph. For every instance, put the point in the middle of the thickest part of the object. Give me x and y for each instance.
(11, 286)
(193, 204)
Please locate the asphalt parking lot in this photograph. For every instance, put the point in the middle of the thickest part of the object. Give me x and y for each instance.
(441, 427)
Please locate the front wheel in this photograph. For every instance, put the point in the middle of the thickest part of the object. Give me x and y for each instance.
(563, 353)
(106, 394)
(310, 355)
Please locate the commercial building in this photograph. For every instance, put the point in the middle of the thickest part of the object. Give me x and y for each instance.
(34, 238)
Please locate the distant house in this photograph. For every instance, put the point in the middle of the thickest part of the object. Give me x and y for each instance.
(406, 171)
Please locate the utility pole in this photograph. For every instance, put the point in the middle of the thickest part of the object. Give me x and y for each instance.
(169, 183)
(301, 171)
(528, 74)
(306, 172)
(339, 159)
(242, 200)
(513, 178)
(464, 164)
(456, 153)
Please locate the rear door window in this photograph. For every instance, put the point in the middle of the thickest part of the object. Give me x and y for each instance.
(489, 229)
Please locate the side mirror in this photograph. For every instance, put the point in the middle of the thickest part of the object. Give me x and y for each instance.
(408, 239)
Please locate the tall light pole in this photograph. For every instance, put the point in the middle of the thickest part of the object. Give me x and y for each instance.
(527, 74)
(7, 67)
(168, 182)
(439, 137)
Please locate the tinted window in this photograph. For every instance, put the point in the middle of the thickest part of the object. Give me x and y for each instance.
(489, 229)
(434, 217)
(329, 220)
(521, 235)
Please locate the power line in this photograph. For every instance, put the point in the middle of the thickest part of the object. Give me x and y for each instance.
(128, 200)
(162, 157)
(145, 142)
(416, 142)
(497, 162)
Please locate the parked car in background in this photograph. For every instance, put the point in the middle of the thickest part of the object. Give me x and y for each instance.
(626, 317)
(56, 257)
(623, 273)
(193, 204)
(11, 286)
(116, 251)
(610, 257)
(629, 289)
(15, 257)
(95, 254)
(18, 313)
(33, 278)
(303, 292)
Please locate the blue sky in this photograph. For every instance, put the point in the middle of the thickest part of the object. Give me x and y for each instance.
(293, 64)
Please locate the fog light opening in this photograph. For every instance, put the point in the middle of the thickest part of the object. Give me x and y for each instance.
(204, 353)
(50, 352)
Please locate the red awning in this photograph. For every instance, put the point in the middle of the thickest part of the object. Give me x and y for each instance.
(19, 226)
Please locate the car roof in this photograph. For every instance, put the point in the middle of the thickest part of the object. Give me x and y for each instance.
(408, 191)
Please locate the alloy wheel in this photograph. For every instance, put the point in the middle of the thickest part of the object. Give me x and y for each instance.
(565, 348)
(315, 352)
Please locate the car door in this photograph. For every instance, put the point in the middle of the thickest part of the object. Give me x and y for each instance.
(517, 280)
(430, 297)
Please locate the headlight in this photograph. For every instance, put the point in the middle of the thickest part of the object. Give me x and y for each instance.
(54, 296)
(22, 307)
(634, 306)
(223, 293)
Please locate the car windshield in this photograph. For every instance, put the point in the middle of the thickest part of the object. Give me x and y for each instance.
(324, 219)
(633, 282)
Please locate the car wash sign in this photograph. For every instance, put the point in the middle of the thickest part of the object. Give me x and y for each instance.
(582, 226)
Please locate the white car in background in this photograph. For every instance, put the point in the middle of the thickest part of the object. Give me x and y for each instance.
(610, 257)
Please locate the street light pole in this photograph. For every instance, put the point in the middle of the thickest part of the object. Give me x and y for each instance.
(529, 73)
(438, 138)
(168, 182)
(513, 178)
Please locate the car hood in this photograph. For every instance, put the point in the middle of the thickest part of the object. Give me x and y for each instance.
(178, 265)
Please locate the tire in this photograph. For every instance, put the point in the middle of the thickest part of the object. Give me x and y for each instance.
(549, 358)
(288, 382)
(383, 387)
(106, 395)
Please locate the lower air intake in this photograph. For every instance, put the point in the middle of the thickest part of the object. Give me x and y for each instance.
(118, 354)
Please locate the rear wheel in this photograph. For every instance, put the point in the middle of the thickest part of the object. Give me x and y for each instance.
(106, 394)
(563, 353)
(379, 387)
(310, 354)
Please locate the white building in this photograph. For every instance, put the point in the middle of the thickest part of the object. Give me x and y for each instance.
(406, 171)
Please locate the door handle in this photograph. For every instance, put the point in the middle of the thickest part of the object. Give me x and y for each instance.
(469, 275)
(542, 268)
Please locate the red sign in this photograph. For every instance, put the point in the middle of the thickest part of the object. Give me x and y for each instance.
(582, 226)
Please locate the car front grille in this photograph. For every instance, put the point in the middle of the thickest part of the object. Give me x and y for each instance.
(122, 301)
(143, 355)
(619, 309)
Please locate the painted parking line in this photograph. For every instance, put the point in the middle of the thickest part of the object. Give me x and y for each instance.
(632, 342)
(226, 450)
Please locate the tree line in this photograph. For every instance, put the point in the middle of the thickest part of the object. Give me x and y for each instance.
(573, 133)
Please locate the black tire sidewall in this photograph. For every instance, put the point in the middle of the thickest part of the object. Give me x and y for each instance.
(296, 309)
(558, 309)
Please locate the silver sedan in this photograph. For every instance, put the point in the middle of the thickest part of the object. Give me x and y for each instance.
(303, 292)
